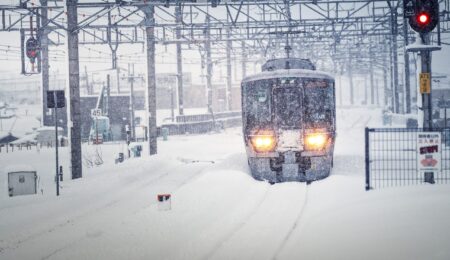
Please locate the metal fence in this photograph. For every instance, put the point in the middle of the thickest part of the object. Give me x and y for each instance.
(392, 157)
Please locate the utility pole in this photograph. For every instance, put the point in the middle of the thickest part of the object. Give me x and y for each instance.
(340, 84)
(407, 72)
(118, 79)
(366, 86)
(229, 82)
(394, 47)
(244, 60)
(46, 120)
(208, 66)
(149, 12)
(350, 76)
(74, 122)
(131, 80)
(179, 17)
(372, 87)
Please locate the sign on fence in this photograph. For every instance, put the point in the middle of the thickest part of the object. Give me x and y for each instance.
(428, 153)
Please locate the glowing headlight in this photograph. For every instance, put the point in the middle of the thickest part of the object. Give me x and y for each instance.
(263, 143)
(316, 141)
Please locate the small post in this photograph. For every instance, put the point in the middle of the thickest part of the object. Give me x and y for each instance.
(367, 159)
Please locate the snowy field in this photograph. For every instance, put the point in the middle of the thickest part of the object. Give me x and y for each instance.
(218, 210)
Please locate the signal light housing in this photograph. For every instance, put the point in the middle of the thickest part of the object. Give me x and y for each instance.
(32, 51)
(426, 16)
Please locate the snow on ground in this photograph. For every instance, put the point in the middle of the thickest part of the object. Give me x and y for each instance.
(218, 210)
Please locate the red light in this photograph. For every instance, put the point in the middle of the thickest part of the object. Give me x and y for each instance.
(423, 19)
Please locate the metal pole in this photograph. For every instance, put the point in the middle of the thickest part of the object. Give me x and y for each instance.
(367, 159)
(22, 52)
(385, 82)
(366, 86)
(377, 92)
(340, 85)
(96, 130)
(391, 77)
(179, 18)
(151, 78)
(407, 71)
(395, 58)
(108, 95)
(372, 86)
(172, 103)
(208, 67)
(350, 76)
(46, 121)
(131, 78)
(244, 60)
(425, 58)
(74, 89)
(118, 79)
(88, 88)
(56, 143)
(229, 82)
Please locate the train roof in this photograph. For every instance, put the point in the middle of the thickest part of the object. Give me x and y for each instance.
(289, 73)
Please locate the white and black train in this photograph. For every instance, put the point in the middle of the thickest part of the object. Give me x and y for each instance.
(289, 121)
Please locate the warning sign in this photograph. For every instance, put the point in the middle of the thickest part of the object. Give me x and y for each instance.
(429, 152)
(425, 83)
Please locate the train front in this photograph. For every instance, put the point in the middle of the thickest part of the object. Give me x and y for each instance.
(289, 123)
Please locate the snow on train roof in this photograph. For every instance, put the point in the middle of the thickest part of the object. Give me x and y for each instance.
(288, 73)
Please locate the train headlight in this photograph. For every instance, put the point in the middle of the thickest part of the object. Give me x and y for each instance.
(263, 142)
(316, 141)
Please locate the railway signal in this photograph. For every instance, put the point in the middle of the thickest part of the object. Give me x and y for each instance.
(32, 49)
(425, 16)
(56, 99)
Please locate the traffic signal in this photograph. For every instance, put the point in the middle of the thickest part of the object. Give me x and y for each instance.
(32, 46)
(426, 15)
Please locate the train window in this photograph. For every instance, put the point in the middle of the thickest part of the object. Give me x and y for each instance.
(288, 105)
(257, 103)
(319, 102)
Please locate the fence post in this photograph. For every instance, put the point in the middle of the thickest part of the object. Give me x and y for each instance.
(367, 159)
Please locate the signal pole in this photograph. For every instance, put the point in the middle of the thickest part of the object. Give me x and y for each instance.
(425, 60)
(423, 17)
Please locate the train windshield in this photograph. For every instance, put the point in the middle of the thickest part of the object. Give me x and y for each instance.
(288, 100)
(257, 101)
(319, 102)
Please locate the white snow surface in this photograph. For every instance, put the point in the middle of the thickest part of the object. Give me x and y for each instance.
(218, 210)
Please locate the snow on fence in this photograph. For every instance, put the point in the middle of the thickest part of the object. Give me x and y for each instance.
(406, 156)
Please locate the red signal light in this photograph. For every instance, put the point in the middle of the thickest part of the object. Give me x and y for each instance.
(423, 19)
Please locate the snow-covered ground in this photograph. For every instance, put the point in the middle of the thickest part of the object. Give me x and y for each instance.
(218, 210)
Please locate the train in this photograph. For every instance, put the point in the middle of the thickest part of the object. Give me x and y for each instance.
(289, 121)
